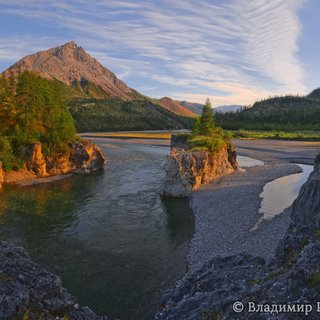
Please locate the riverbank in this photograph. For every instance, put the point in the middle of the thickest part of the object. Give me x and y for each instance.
(38, 167)
(227, 209)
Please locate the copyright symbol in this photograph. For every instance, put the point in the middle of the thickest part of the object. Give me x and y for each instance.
(238, 307)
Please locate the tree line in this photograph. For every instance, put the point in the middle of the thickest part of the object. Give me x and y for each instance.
(288, 113)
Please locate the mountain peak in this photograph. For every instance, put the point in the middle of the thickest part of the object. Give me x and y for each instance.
(69, 51)
(70, 44)
(71, 64)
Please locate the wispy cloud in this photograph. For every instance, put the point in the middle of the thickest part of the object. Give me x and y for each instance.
(233, 51)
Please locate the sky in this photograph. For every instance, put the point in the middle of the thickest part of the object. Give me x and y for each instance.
(232, 51)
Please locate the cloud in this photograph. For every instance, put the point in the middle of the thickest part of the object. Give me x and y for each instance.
(234, 51)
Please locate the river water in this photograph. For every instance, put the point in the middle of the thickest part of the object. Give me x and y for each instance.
(280, 193)
(116, 244)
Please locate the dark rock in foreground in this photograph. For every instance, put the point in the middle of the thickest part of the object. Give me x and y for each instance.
(288, 287)
(27, 291)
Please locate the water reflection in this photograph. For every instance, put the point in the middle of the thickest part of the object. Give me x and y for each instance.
(114, 241)
(279, 194)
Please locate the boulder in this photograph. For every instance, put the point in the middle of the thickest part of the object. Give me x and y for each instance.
(27, 291)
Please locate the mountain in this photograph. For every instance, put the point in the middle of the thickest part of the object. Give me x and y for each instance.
(192, 106)
(227, 108)
(117, 115)
(176, 107)
(284, 113)
(73, 66)
(96, 98)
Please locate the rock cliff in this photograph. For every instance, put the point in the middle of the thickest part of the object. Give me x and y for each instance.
(187, 170)
(291, 279)
(1, 175)
(27, 291)
(81, 157)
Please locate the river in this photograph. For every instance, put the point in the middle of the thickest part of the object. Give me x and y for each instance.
(116, 244)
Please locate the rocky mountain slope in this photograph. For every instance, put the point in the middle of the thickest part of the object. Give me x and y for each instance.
(176, 107)
(192, 106)
(82, 81)
(247, 287)
(73, 66)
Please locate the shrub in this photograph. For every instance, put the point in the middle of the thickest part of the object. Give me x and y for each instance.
(205, 143)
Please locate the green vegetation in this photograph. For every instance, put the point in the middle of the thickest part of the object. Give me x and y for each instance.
(31, 110)
(205, 135)
(115, 114)
(288, 113)
(277, 135)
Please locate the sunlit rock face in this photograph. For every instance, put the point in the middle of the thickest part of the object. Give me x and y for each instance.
(82, 157)
(72, 65)
(187, 170)
(1, 175)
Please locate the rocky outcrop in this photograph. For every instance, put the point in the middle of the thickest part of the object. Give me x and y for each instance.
(27, 291)
(1, 175)
(82, 157)
(187, 170)
(233, 287)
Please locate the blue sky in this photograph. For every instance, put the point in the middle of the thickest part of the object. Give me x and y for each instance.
(233, 51)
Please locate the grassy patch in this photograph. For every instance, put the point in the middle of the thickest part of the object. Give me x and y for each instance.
(277, 135)
(206, 143)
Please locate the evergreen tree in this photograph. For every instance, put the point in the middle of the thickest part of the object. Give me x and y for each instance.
(196, 126)
(207, 124)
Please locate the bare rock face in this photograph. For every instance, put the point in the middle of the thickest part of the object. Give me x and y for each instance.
(1, 175)
(69, 63)
(27, 291)
(35, 159)
(82, 157)
(187, 170)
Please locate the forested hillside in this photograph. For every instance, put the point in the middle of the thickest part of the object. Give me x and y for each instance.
(32, 109)
(115, 114)
(288, 113)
